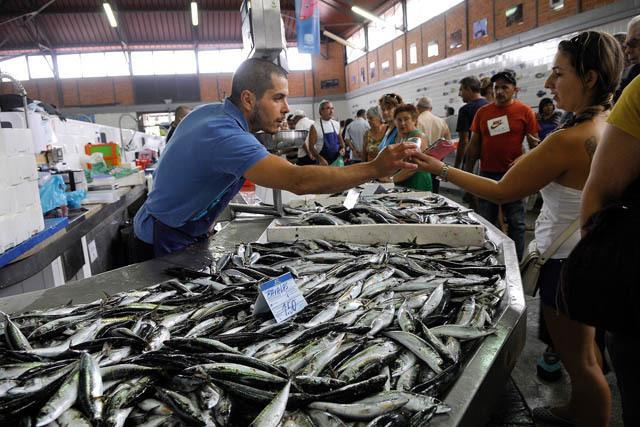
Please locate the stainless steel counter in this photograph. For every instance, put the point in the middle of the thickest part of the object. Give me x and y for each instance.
(473, 395)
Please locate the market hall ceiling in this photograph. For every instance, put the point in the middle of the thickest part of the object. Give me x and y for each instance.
(67, 26)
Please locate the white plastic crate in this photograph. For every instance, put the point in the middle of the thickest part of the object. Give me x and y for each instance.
(26, 195)
(8, 234)
(23, 168)
(15, 141)
(35, 220)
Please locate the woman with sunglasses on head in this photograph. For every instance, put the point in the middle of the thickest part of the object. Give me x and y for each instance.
(406, 120)
(584, 76)
(388, 104)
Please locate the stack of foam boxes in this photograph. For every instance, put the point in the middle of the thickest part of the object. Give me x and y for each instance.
(20, 210)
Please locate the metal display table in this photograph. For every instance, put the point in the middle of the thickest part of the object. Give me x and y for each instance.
(473, 395)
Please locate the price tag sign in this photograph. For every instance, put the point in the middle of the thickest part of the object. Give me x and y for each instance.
(280, 295)
(351, 199)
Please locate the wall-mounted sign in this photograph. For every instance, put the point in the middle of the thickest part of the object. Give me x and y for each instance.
(455, 39)
(514, 15)
(326, 84)
(480, 29)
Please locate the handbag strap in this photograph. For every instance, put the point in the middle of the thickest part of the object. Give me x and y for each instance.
(559, 241)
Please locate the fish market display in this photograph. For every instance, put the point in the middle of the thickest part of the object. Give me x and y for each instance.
(386, 331)
(389, 209)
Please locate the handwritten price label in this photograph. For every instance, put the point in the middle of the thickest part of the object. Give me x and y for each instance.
(282, 296)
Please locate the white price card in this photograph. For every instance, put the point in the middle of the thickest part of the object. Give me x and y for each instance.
(282, 297)
(351, 199)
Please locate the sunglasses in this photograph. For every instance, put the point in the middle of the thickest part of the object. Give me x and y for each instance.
(631, 43)
(392, 96)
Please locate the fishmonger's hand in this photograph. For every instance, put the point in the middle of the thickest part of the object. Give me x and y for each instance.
(395, 157)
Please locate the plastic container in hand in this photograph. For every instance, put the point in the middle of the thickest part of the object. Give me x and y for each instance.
(441, 148)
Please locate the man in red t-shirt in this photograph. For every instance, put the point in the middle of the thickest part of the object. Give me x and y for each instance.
(498, 131)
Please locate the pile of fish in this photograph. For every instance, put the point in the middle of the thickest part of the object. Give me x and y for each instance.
(388, 209)
(384, 335)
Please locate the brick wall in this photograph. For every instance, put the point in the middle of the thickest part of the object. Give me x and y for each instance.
(433, 31)
(70, 94)
(208, 87)
(308, 83)
(546, 14)
(385, 54)
(296, 84)
(123, 88)
(414, 37)
(456, 26)
(400, 44)
(528, 17)
(329, 68)
(361, 70)
(480, 10)
(224, 85)
(593, 4)
(95, 91)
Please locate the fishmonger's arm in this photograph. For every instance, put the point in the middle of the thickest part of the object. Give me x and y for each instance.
(275, 172)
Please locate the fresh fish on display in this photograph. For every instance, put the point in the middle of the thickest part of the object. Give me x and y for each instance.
(387, 329)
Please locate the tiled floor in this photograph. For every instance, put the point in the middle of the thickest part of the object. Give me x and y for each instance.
(535, 391)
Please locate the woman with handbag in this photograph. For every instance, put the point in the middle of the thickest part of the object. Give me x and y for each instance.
(609, 251)
(584, 76)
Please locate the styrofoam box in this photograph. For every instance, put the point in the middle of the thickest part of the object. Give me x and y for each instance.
(34, 220)
(24, 168)
(26, 195)
(15, 141)
(7, 200)
(8, 235)
(451, 234)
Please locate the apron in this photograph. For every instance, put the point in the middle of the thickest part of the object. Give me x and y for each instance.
(330, 144)
(167, 239)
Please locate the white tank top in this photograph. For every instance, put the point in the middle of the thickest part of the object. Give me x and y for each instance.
(560, 208)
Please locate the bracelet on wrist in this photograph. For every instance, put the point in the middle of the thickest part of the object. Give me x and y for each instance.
(444, 172)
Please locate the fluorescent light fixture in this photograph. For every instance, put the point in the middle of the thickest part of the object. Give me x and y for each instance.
(194, 13)
(341, 40)
(371, 17)
(110, 16)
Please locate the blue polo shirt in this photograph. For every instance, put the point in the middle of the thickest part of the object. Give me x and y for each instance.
(209, 153)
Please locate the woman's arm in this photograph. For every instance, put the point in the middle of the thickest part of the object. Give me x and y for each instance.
(531, 173)
(615, 165)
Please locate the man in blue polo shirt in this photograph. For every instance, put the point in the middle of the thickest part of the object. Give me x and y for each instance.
(213, 150)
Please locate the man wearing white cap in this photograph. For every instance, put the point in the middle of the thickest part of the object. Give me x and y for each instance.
(431, 125)
(302, 122)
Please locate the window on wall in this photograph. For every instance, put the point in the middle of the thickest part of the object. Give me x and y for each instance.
(220, 61)
(298, 61)
(363, 75)
(357, 40)
(556, 4)
(385, 66)
(17, 67)
(514, 15)
(163, 62)
(380, 34)
(455, 39)
(116, 63)
(399, 56)
(413, 53)
(417, 13)
(69, 66)
(432, 49)
(40, 66)
(372, 70)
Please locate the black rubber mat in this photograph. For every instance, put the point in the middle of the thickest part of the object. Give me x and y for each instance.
(512, 410)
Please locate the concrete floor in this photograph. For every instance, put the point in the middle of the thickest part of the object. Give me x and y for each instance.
(535, 391)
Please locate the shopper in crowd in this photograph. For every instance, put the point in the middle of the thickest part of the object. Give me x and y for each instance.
(498, 130)
(585, 73)
(325, 142)
(620, 146)
(344, 124)
(631, 47)
(406, 117)
(452, 120)
(621, 38)
(354, 136)
(548, 117)
(213, 151)
(470, 88)
(388, 104)
(180, 114)
(486, 90)
(373, 137)
(302, 122)
(432, 126)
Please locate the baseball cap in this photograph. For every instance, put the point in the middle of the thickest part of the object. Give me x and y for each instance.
(424, 102)
(506, 74)
(299, 113)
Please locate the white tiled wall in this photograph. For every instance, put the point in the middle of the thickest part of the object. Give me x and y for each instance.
(531, 63)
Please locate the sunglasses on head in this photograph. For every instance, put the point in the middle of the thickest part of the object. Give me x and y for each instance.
(631, 43)
(392, 96)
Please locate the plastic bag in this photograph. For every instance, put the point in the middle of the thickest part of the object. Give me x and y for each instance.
(74, 198)
(52, 194)
(338, 162)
